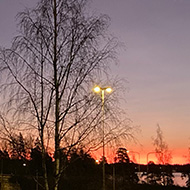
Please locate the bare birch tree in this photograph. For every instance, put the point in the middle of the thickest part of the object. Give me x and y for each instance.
(48, 73)
(163, 153)
(164, 157)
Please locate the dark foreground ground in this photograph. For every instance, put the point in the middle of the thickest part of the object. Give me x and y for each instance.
(153, 187)
(83, 186)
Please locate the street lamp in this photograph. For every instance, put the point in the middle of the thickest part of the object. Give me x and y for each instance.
(134, 152)
(147, 160)
(147, 163)
(98, 89)
(152, 153)
(114, 172)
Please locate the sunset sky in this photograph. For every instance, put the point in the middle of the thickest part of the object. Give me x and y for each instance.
(155, 63)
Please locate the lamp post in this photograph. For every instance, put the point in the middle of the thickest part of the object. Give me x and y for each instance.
(134, 152)
(98, 89)
(147, 158)
(152, 153)
(147, 163)
(114, 173)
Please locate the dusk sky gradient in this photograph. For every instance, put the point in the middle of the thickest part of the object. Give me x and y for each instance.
(155, 62)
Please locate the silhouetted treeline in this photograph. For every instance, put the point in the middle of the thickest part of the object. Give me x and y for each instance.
(174, 167)
(82, 172)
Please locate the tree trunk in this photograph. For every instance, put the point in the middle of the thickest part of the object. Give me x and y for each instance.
(56, 84)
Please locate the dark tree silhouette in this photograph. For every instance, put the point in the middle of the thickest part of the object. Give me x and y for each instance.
(47, 75)
(124, 170)
(122, 156)
(164, 157)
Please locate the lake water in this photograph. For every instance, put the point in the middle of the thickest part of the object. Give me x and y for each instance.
(177, 179)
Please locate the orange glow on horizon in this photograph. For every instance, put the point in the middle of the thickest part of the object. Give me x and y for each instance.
(176, 158)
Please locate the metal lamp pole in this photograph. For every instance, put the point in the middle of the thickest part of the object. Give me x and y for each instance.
(152, 153)
(147, 164)
(134, 152)
(147, 161)
(103, 117)
(98, 89)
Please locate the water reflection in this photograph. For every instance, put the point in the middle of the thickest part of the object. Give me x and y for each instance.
(178, 180)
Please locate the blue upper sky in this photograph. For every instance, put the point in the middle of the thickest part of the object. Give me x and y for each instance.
(155, 62)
